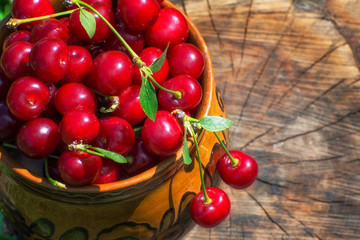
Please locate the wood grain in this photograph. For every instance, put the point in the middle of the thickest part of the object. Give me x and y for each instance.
(289, 74)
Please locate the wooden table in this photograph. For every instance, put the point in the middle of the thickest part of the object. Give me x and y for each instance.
(289, 74)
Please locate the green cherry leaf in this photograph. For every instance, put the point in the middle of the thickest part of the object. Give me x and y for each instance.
(148, 99)
(157, 64)
(108, 154)
(215, 123)
(88, 22)
(186, 156)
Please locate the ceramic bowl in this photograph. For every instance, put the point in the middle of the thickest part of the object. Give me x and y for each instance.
(151, 205)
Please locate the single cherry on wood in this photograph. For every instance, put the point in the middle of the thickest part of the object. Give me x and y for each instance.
(240, 175)
(210, 214)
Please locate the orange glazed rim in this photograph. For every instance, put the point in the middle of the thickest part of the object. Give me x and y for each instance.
(207, 81)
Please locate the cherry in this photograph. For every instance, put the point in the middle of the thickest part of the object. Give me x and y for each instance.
(148, 56)
(191, 93)
(38, 138)
(115, 135)
(17, 36)
(135, 40)
(79, 125)
(185, 58)
(110, 172)
(15, 60)
(241, 175)
(49, 59)
(138, 15)
(140, 159)
(112, 72)
(9, 124)
(75, 96)
(129, 107)
(49, 28)
(160, 2)
(102, 31)
(30, 8)
(164, 136)
(170, 27)
(80, 62)
(27, 98)
(52, 169)
(79, 168)
(210, 214)
(49, 110)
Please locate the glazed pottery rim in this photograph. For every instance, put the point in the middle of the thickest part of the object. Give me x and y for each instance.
(203, 110)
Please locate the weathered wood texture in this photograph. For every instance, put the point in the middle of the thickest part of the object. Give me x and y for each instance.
(289, 73)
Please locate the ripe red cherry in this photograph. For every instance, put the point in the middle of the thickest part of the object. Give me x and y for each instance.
(129, 107)
(171, 26)
(163, 136)
(29, 9)
(49, 59)
(27, 98)
(80, 62)
(79, 168)
(102, 31)
(185, 58)
(75, 96)
(141, 159)
(72, 39)
(15, 60)
(138, 15)
(115, 135)
(17, 36)
(110, 172)
(210, 214)
(112, 72)
(135, 40)
(38, 138)
(240, 176)
(190, 89)
(9, 124)
(49, 28)
(148, 56)
(79, 125)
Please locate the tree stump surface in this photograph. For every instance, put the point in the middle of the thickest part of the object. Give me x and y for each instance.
(289, 74)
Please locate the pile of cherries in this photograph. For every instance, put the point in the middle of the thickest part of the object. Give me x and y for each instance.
(57, 84)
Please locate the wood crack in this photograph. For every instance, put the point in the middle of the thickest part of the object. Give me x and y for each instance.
(267, 214)
(213, 23)
(317, 129)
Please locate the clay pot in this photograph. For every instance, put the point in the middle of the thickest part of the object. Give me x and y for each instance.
(151, 205)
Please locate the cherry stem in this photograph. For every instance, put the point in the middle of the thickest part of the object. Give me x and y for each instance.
(84, 148)
(13, 22)
(207, 199)
(51, 180)
(137, 129)
(115, 102)
(177, 94)
(234, 161)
